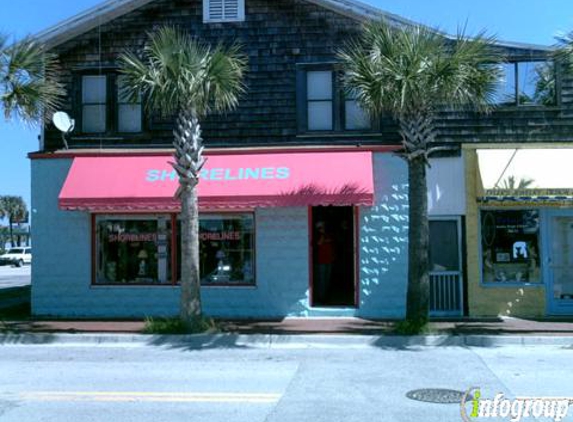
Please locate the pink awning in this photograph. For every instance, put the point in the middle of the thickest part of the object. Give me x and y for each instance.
(148, 183)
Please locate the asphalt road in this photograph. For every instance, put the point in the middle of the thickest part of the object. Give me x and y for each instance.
(172, 383)
(14, 277)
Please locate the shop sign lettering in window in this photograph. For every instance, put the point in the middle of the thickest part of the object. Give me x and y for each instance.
(133, 250)
(510, 246)
(226, 249)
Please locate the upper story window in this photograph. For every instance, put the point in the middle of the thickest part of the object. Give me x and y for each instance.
(527, 83)
(105, 108)
(128, 113)
(355, 118)
(223, 10)
(94, 104)
(320, 100)
(324, 106)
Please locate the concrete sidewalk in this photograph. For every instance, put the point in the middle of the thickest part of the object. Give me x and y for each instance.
(294, 326)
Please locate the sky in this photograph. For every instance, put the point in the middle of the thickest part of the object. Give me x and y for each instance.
(530, 21)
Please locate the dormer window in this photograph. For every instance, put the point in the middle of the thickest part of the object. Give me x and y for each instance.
(223, 11)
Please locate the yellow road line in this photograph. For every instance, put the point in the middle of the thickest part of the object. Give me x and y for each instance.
(150, 399)
(149, 393)
(123, 396)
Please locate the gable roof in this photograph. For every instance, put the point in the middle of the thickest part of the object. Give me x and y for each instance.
(112, 9)
(87, 20)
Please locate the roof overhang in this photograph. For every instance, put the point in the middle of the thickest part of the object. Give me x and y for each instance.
(112, 9)
(88, 20)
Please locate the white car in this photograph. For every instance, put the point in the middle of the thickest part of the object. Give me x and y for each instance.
(17, 257)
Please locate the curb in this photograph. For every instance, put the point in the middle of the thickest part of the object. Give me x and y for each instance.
(278, 341)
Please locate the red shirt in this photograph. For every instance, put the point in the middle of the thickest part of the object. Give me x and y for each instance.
(325, 250)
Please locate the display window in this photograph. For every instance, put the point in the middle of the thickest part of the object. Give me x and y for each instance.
(143, 250)
(226, 249)
(133, 250)
(510, 246)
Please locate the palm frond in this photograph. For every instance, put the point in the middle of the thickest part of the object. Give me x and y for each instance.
(511, 183)
(407, 71)
(545, 86)
(3, 42)
(225, 70)
(176, 72)
(475, 72)
(563, 52)
(13, 207)
(30, 89)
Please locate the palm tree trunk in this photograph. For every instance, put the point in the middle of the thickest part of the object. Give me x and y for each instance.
(190, 309)
(418, 246)
(10, 223)
(418, 133)
(188, 163)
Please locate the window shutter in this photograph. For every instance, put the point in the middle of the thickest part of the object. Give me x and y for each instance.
(215, 10)
(223, 10)
(231, 9)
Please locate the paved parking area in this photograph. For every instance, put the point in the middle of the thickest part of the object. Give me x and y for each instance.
(14, 277)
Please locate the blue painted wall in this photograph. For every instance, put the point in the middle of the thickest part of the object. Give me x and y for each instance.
(61, 272)
(384, 242)
(61, 268)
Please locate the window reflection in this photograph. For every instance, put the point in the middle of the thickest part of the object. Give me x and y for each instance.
(226, 249)
(526, 83)
(133, 251)
(505, 93)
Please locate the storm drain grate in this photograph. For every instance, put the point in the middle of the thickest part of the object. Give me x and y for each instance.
(437, 395)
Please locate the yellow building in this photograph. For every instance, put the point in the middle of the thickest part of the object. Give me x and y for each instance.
(519, 230)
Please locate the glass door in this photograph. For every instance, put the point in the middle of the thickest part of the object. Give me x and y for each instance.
(561, 265)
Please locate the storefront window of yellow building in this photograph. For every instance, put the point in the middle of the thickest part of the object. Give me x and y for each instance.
(510, 246)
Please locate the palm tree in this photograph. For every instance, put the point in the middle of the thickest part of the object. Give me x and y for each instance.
(564, 49)
(412, 73)
(510, 183)
(545, 89)
(14, 209)
(29, 86)
(181, 75)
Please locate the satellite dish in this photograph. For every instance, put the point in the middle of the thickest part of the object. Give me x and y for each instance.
(63, 122)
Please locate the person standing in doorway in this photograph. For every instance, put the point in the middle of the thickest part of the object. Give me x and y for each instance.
(325, 257)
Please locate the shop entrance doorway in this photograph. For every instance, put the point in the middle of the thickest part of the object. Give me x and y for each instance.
(333, 256)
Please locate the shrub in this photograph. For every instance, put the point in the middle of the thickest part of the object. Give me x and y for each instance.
(411, 327)
(177, 326)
